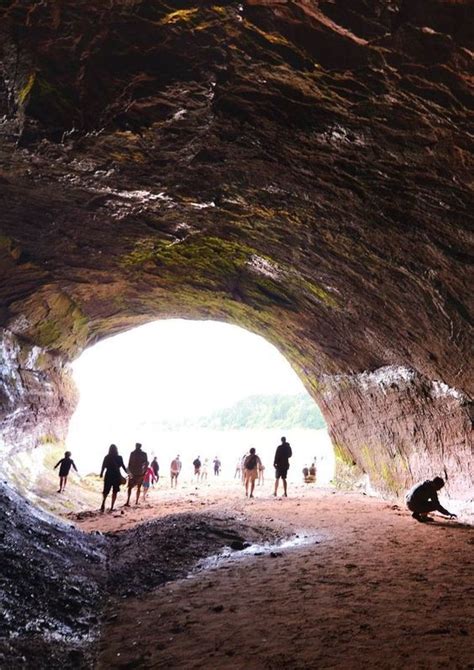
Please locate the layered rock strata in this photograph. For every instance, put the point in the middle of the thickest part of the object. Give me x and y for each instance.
(299, 168)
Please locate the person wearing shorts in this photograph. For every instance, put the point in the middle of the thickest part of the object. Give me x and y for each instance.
(281, 463)
(197, 468)
(175, 470)
(251, 465)
(137, 466)
(113, 479)
(148, 480)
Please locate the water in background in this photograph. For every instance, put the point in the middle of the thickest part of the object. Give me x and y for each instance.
(90, 444)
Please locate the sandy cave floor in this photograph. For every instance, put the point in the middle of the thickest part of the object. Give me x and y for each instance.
(368, 587)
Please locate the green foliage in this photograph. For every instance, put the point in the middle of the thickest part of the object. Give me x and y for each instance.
(264, 411)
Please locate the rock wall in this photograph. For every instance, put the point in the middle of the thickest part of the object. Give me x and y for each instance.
(37, 395)
(300, 168)
(399, 428)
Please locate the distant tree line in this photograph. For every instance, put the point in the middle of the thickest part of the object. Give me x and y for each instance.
(261, 411)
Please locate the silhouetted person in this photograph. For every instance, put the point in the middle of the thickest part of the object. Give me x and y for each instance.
(113, 479)
(281, 463)
(251, 466)
(423, 499)
(312, 474)
(217, 466)
(65, 465)
(305, 473)
(197, 467)
(156, 468)
(137, 466)
(175, 469)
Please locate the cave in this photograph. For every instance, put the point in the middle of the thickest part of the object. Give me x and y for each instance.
(300, 168)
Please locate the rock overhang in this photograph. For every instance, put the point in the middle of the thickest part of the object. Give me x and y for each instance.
(298, 168)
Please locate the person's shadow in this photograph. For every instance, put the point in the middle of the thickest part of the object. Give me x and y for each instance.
(452, 524)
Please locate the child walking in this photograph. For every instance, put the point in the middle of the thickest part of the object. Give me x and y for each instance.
(148, 479)
(65, 465)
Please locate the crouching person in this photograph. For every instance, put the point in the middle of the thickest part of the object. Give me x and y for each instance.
(423, 499)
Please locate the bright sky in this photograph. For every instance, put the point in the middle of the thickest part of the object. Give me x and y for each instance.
(176, 367)
(179, 368)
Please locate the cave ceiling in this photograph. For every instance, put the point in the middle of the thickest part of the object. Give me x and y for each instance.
(300, 168)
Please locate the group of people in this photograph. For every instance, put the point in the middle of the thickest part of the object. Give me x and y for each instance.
(309, 474)
(252, 468)
(141, 474)
(421, 500)
(201, 469)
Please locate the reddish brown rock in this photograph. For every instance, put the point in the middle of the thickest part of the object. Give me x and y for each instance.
(302, 169)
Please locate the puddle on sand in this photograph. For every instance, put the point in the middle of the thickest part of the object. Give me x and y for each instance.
(274, 549)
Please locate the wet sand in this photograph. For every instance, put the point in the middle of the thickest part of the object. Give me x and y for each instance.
(372, 589)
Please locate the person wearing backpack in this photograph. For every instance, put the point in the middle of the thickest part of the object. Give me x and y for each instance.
(251, 466)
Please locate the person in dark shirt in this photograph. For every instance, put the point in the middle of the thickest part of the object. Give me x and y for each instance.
(112, 464)
(65, 465)
(197, 467)
(423, 498)
(281, 463)
(137, 466)
(155, 468)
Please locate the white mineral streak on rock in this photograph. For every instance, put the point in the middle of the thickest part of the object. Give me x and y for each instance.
(381, 379)
(123, 203)
(9, 376)
(202, 205)
(179, 114)
(20, 324)
(138, 196)
(442, 390)
(385, 378)
(264, 267)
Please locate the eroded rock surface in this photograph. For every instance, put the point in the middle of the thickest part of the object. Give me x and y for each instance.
(300, 168)
(52, 581)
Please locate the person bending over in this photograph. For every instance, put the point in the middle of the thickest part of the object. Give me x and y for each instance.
(423, 499)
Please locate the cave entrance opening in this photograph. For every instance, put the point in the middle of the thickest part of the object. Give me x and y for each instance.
(194, 388)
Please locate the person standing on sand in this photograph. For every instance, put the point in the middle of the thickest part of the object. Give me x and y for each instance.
(113, 479)
(423, 498)
(156, 469)
(65, 465)
(217, 466)
(238, 468)
(251, 465)
(204, 469)
(281, 464)
(137, 466)
(148, 479)
(261, 473)
(242, 466)
(176, 466)
(197, 467)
